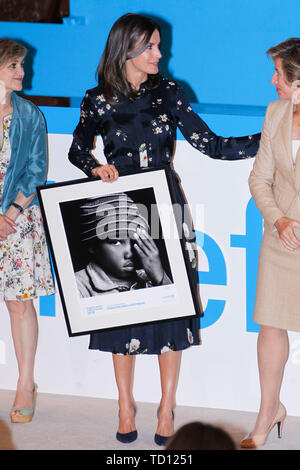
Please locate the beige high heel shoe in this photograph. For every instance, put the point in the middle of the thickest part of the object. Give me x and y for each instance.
(258, 440)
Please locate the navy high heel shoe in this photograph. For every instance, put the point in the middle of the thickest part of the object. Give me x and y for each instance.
(162, 440)
(127, 437)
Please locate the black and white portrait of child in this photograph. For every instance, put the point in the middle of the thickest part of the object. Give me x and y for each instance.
(120, 252)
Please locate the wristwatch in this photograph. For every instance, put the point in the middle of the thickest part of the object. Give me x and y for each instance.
(18, 207)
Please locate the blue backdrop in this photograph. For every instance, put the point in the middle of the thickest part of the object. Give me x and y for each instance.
(215, 48)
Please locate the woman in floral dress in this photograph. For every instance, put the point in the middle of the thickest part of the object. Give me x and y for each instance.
(25, 271)
(137, 112)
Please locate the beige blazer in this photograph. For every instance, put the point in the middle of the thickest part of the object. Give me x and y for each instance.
(274, 182)
(275, 186)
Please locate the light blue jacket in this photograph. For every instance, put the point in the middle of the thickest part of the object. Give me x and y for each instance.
(27, 168)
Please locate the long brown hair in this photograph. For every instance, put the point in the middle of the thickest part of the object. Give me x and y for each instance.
(126, 32)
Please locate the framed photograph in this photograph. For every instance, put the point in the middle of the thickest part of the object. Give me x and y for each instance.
(118, 252)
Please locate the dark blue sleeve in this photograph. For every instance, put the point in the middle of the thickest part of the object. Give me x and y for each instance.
(199, 135)
(84, 138)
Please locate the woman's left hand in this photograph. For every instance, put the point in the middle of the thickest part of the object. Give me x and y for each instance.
(149, 256)
(285, 227)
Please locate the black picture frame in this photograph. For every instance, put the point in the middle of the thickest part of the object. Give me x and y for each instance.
(81, 277)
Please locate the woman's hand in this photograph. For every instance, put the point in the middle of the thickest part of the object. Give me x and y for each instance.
(107, 173)
(149, 256)
(285, 228)
(7, 227)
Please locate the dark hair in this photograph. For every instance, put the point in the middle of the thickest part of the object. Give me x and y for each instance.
(200, 436)
(289, 52)
(126, 32)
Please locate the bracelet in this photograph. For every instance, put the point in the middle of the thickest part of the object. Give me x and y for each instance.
(18, 207)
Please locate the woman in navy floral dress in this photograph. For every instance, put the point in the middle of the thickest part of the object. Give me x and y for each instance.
(137, 112)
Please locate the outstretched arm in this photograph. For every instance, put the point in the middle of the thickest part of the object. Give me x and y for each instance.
(199, 135)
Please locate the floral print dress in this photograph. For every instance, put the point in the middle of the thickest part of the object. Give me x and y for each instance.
(25, 270)
(138, 134)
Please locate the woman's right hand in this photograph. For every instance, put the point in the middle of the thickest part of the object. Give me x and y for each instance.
(7, 227)
(149, 256)
(285, 228)
(107, 173)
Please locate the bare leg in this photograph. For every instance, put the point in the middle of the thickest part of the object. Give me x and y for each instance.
(273, 352)
(124, 373)
(24, 327)
(169, 364)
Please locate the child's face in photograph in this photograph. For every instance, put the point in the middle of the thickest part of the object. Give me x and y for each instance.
(115, 256)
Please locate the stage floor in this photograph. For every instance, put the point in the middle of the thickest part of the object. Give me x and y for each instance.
(80, 423)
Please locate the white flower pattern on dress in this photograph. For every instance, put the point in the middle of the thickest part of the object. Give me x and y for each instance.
(190, 336)
(169, 347)
(133, 347)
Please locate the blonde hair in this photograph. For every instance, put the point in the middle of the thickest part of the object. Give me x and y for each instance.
(9, 50)
(289, 52)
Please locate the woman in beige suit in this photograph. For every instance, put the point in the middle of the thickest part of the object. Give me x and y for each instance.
(275, 186)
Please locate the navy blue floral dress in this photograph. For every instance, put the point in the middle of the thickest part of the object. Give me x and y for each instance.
(141, 133)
